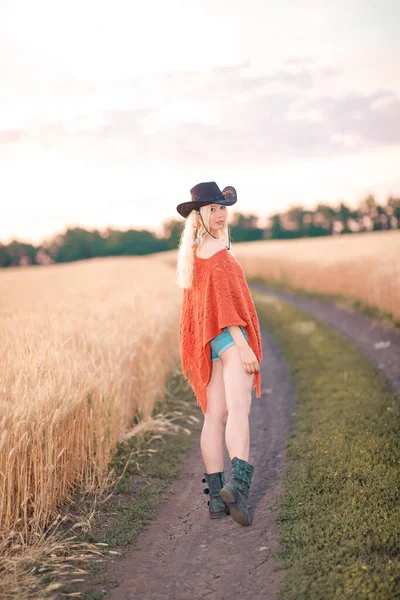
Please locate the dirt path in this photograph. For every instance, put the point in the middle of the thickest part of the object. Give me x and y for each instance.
(184, 554)
(363, 331)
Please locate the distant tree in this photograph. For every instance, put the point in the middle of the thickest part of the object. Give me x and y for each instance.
(344, 214)
(5, 258)
(138, 242)
(367, 207)
(393, 210)
(20, 254)
(327, 217)
(172, 229)
(244, 221)
(243, 228)
(316, 230)
(78, 243)
(276, 230)
(97, 241)
(381, 220)
(296, 218)
(74, 244)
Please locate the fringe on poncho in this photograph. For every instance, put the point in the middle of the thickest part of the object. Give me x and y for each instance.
(219, 297)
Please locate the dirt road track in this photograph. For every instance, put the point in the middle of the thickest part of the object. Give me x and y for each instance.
(363, 331)
(184, 555)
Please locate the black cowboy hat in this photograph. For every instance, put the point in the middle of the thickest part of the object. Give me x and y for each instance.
(207, 193)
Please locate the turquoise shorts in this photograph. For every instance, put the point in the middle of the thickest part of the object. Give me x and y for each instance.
(222, 342)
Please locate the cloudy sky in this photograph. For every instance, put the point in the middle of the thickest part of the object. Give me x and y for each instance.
(111, 111)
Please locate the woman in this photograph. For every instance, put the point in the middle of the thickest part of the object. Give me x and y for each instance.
(220, 344)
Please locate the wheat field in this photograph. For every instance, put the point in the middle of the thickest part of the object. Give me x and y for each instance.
(83, 346)
(360, 266)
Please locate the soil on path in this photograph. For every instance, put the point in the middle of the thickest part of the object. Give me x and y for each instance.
(184, 554)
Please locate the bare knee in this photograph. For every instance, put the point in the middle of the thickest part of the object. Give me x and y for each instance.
(216, 417)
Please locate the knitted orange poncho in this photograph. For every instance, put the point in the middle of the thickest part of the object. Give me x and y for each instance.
(219, 297)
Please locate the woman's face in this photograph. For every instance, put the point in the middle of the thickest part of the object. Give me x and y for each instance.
(218, 216)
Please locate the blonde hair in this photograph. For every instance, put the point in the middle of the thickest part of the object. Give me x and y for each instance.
(192, 236)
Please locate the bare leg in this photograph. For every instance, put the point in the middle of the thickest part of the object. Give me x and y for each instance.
(212, 435)
(238, 385)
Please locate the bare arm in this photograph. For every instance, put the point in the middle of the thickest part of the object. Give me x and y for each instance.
(237, 335)
(248, 358)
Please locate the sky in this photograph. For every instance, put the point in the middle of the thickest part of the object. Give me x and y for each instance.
(110, 112)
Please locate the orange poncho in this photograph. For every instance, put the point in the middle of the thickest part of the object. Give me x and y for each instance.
(219, 297)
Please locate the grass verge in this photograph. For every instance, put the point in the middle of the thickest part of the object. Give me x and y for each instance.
(339, 520)
(96, 528)
(340, 300)
(143, 465)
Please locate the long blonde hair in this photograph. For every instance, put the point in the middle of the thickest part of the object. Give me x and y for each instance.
(192, 236)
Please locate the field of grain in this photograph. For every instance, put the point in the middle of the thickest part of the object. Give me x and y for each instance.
(83, 347)
(363, 266)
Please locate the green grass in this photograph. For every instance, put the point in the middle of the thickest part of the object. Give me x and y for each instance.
(145, 465)
(339, 520)
(340, 299)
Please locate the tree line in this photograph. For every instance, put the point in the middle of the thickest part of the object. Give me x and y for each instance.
(78, 243)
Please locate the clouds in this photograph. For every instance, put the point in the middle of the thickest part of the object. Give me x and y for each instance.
(100, 101)
(245, 84)
(231, 115)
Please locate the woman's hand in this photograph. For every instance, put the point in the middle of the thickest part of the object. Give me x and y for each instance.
(249, 360)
